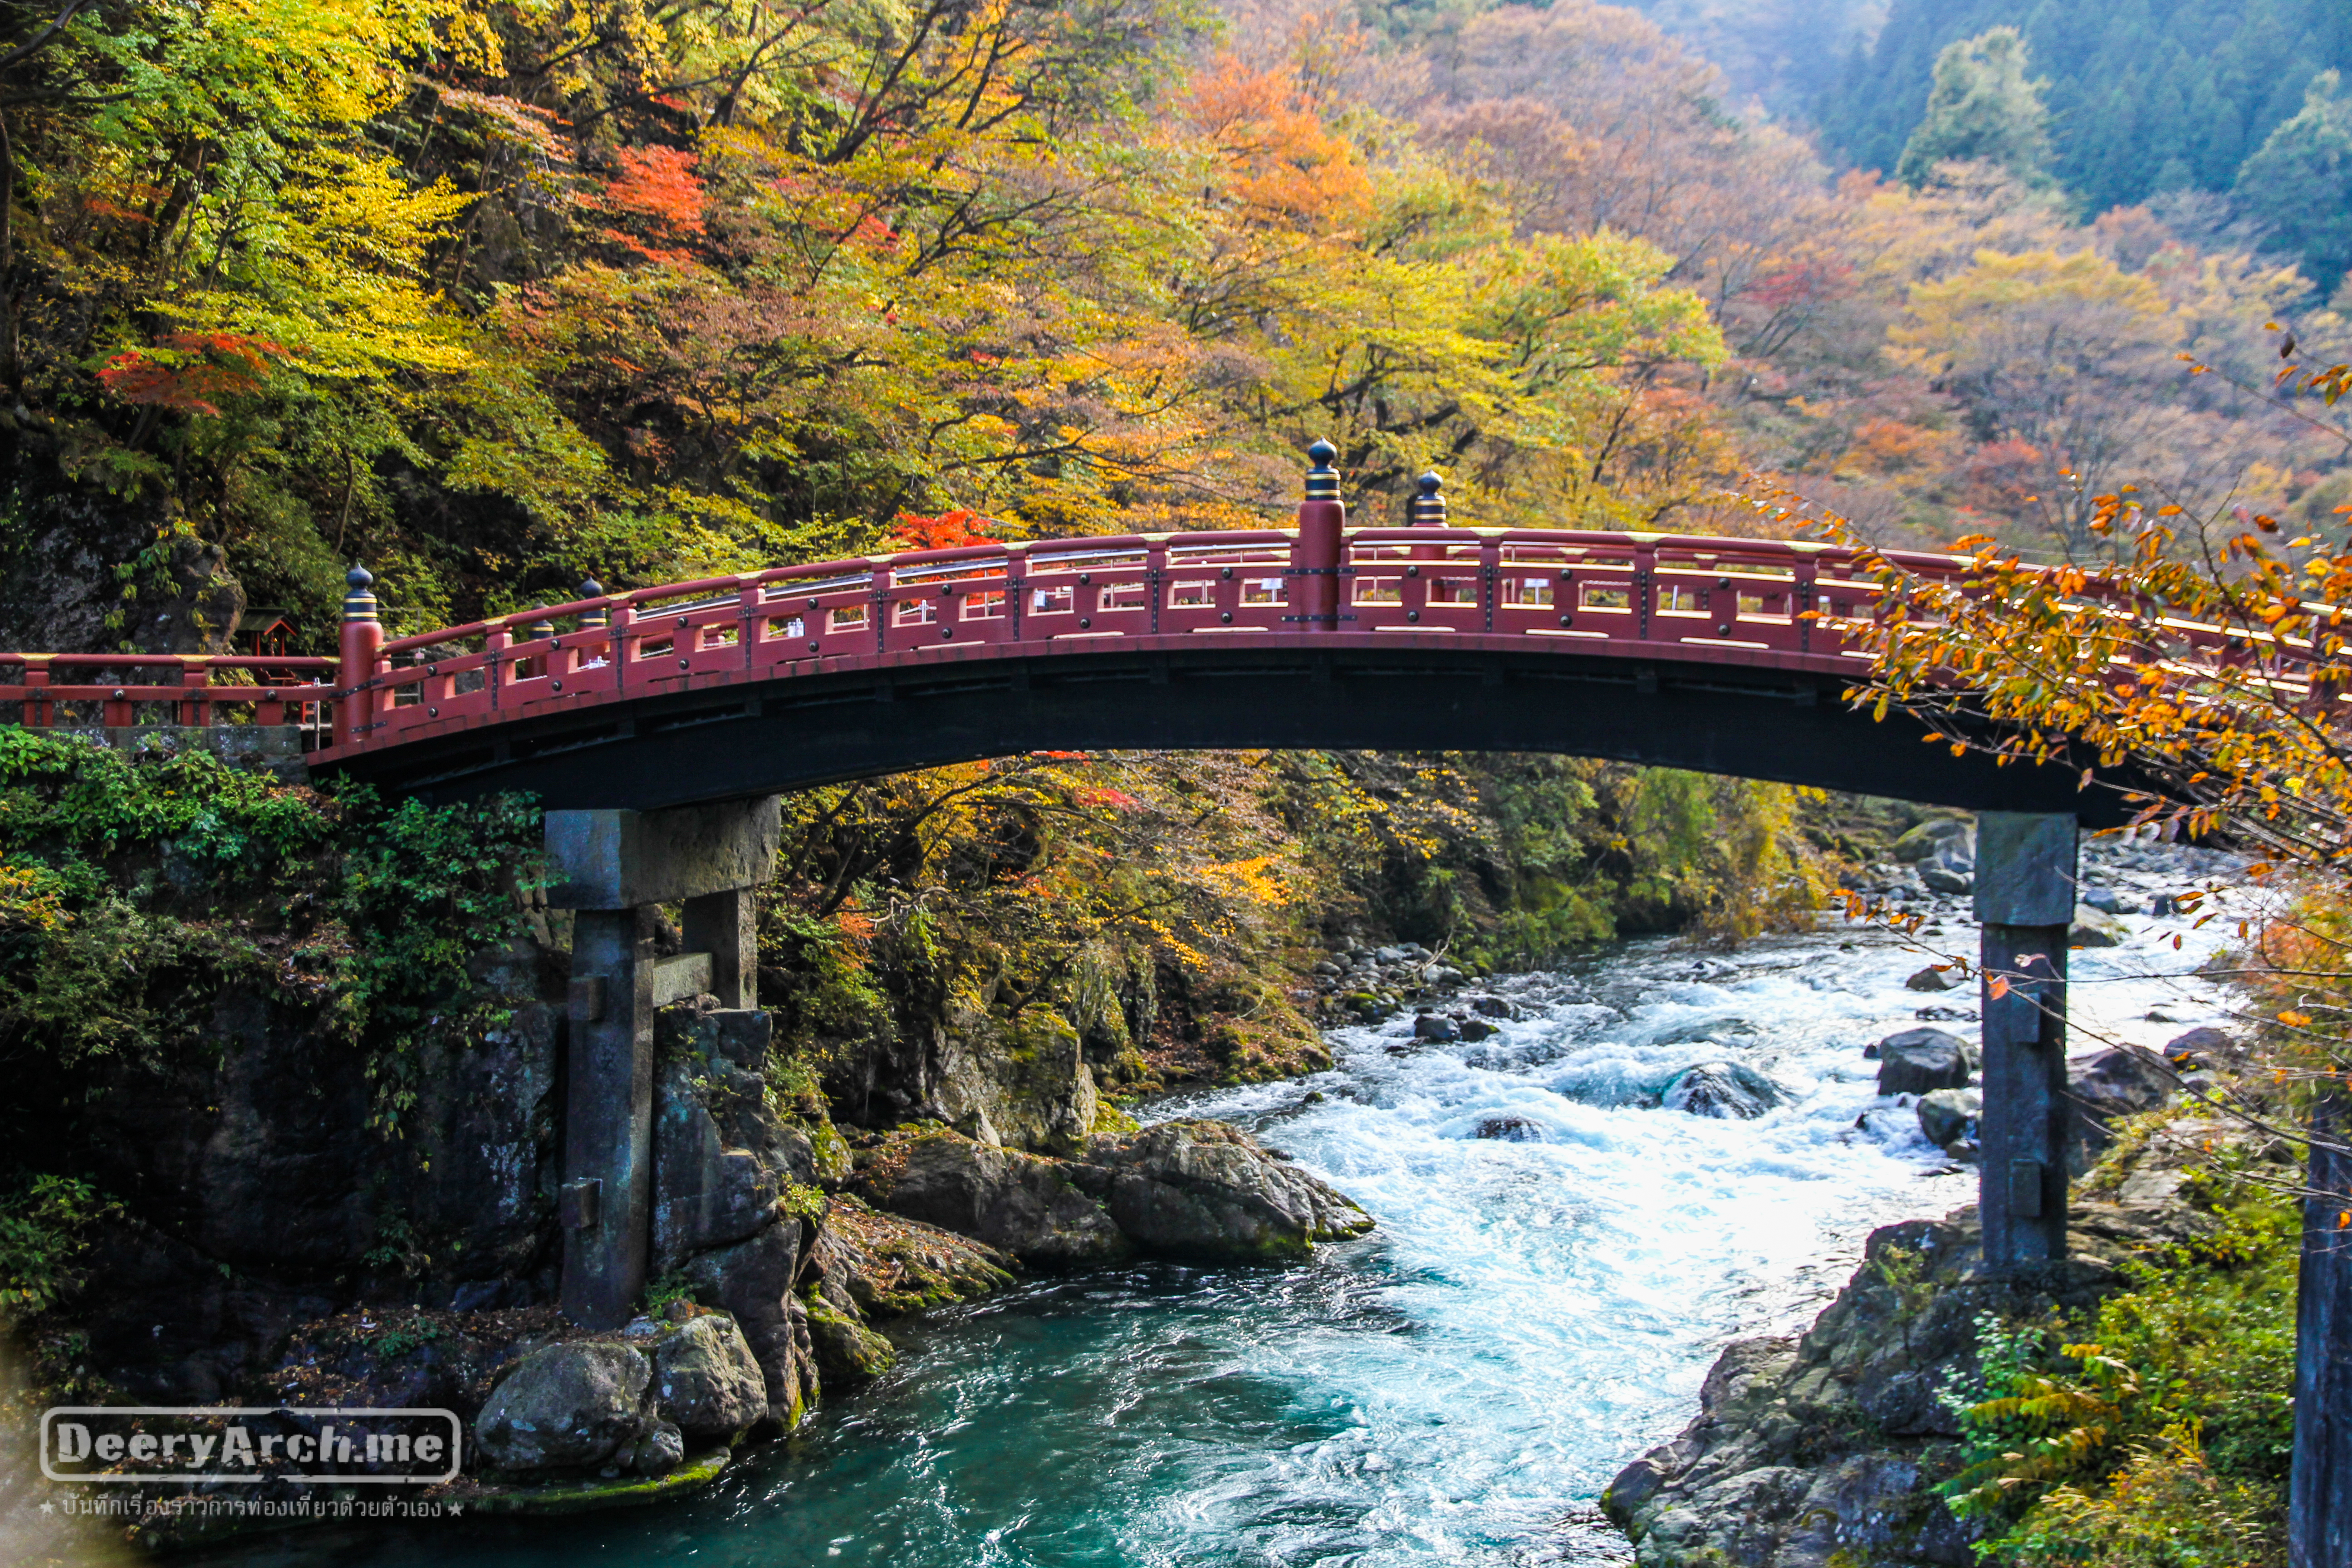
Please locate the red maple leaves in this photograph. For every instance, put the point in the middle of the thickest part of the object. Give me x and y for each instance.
(191, 373)
(658, 188)
(948, 530)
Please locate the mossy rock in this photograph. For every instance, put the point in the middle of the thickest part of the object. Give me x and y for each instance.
(696, 1471)
(845, 1348)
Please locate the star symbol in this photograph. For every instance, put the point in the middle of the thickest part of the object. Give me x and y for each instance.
(456, 1509)
(48, 1508)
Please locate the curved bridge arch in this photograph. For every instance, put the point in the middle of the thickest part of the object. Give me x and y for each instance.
(1716, 655)
(1769, 718)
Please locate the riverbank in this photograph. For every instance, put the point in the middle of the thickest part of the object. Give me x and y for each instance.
(1539, 1305)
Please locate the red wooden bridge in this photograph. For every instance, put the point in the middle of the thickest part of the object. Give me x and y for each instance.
(1722, 655)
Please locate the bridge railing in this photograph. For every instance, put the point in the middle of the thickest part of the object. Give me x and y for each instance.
(1583, 587)
(45, 690)
(1656, 594)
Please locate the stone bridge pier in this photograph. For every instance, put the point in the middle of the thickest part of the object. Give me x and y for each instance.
(615, 869)
(2025, 892)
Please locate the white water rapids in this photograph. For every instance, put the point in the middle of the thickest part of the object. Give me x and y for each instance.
(1457, 1387)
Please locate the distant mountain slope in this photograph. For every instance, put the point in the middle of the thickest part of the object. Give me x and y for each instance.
(2144, 95)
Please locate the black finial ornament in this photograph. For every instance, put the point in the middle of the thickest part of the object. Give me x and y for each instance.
(359, 605)
(590, 619)
(1427, 509)
(1322, 479)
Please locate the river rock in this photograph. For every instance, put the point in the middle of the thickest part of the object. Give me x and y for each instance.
(848, 1352)
(1947, 1116)
(753, 1280)
(1723, 1089)
(1940, 880)
(706, 1379)
(1429, 1027)
(2094, 928)
(1826, 1448)
(1023, 1204)
(2106, 900)
(657, 1450)
(1493, 1007)
(1204, 1189)
(2106, 1088)
(1509, 1128)
(1945, 840)
(564, 1406)
(2199, 1047)
(1475, 1029)
(1916, 1061)
(1933, 978)
(870, 1264)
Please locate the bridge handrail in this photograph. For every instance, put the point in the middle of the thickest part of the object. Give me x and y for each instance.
(1793, 602)
(171, 661)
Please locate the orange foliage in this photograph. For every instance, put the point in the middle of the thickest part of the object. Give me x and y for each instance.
(1894, 446)
(1284, 166)
(2004, 477)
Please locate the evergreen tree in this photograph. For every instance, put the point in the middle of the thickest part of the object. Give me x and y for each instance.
(2299, 181)
(2138, 91)
(1982, 108)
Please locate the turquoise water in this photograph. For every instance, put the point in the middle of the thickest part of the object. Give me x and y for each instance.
(1456, 1388)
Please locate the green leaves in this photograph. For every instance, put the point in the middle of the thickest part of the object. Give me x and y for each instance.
(423, 891)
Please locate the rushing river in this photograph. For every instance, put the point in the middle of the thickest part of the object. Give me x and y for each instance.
(1456, 1388)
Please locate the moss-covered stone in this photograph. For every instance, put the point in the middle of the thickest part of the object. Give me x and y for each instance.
(696, 1471)
(846, 1348)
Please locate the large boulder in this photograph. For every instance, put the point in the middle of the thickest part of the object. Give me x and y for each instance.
(1726, 1090)
(752, 1282)
(565, 1406)
(707, 1379)
(1203, 1189)
(1021, 1082)
(870, 1264)
(1949, 1116)
(2104, 1090)
(1020, 1202)
(2094, 928)
(1919, 1061)
(1945, 841)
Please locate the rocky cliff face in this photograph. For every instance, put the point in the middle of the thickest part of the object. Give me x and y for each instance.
(1823, 1449)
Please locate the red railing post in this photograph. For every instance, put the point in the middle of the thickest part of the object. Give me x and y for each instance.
(1322, 532)
(36, 711)
(196, 713)
(363, 639)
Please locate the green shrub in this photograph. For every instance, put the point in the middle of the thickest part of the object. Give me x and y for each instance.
(43, 1226)
(2174, 1402)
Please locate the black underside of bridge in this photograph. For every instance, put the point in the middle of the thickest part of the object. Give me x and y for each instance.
(815, 729)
